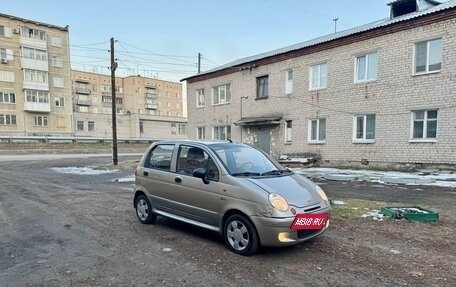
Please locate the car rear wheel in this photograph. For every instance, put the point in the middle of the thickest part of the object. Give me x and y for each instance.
(240, 235)
(144, 210)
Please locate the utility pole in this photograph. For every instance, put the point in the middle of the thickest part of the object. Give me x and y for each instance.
(113, 94)
(335, 24)
(199, 62)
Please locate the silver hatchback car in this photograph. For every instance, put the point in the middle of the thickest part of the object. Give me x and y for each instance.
(230, 188)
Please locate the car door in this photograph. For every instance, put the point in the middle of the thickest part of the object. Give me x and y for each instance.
(156, 176)
(197, 200)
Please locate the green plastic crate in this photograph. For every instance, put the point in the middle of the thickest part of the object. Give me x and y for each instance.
(410, 212)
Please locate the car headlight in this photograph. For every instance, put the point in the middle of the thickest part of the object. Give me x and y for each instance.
(278, 202)
(322, 194)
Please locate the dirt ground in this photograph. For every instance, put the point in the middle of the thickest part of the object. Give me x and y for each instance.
(79, 230)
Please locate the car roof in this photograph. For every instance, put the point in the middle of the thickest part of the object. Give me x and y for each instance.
(201, 142)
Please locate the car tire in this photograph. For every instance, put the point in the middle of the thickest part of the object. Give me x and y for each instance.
(240, 235)
(144, 210)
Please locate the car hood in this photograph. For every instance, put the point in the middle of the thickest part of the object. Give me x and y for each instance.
(296, 189)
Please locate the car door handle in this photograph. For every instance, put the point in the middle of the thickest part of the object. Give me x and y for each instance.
(145, 173)
(178, 179)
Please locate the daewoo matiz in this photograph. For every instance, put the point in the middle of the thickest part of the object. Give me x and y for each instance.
(230, 188)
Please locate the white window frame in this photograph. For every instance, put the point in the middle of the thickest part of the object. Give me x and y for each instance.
(227, 94)
(7, 76)
(57, 61)
(40, 121)
(58, 82)
(7, 31)
(366, 72)
(80, 126)
(288, 131)
(7, 98)
(56, 41)
(59, 101)
(425, 124)
(320, 85)
(225, 132)
(36, 76)
(200, 98)
(91, 126)
(355, 128)
(8, 120)
(309, 132)
(426, 71)
(201, 133)
(289, 82)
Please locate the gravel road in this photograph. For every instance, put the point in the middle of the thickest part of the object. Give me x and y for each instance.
(80, 230)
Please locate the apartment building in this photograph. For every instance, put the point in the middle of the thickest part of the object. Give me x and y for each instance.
(381, 93)
(145, 107)
(35, 89)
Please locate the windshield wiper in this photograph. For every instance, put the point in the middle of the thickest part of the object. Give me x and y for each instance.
(276, 172)
(246, 174)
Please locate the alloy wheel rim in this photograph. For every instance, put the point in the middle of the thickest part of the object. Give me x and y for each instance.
(142, 209)
(238, 235)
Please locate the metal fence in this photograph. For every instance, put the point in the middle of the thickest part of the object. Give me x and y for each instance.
(70, 139)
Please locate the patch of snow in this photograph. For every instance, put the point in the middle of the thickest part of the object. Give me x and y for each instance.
(166, 249)
(82, 170)
(395, 251)
(339, 202)
(374, 214)
(125, 179)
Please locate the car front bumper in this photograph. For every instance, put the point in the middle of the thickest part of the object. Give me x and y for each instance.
(277, 231)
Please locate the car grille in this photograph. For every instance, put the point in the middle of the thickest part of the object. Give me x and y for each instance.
(306, 233)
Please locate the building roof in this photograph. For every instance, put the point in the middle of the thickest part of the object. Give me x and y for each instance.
(332, 37)
(34, 22)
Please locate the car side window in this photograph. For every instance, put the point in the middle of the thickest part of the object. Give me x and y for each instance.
(160, 157)
(190, 158)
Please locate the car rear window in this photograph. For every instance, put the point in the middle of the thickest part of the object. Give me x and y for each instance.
(160, 157)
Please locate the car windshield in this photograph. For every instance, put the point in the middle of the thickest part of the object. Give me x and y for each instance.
(243, 160)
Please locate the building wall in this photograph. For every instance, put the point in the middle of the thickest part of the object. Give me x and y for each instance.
(392, 97)
(58, 118)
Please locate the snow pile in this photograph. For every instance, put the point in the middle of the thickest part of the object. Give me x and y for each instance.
(375, 214)
(125, 179)
(81, 170)
(339, 202)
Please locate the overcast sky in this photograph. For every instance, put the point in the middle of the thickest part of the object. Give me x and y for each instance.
(163, 37)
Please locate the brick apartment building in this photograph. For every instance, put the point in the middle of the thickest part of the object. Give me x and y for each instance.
(40, 95)
(383, 93)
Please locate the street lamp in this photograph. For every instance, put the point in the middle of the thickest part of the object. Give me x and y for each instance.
(242, 98)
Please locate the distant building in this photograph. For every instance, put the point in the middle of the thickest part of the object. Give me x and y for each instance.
(384, 92)
(40, 95)
(35, 86)
(146, 107)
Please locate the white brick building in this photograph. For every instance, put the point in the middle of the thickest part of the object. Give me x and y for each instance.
(384, 92)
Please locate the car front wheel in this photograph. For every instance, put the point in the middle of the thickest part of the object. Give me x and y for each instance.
(144, 210)
(240, 235)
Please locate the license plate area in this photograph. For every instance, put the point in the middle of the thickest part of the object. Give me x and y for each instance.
(309, 221)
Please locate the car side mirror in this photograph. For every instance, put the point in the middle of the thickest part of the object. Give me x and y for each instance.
(201, 173)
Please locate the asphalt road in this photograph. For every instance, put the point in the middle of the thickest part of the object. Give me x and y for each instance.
(81, 230)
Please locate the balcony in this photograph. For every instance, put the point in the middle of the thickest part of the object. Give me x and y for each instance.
(82, 91)
(150, 86)
(84, 102)
(82, 81)
(151, 95)
(151, 106)
(37, 107)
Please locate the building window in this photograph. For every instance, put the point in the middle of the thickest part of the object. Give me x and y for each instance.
(141, 127)
(7, 120)
(33, 34)
(288, 130)
(35, 96)
(424, 124)
(35, 76)
(428, 56)
(182, 129)
(5, 31)
(366, 67)
(91, 126)
(57, 62)
(6, 54)
(288, 82)
(80, 126)
(317, 130)
(364, 128)
(222, 133)
(7, 98)
(40, 121)
(58, 82)
(221, 94)
(7, 76)
(318, 77)
(36, 54)
(56, 41)
(262, 87)
(59, 101)
(200, 98)
(201, 133)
